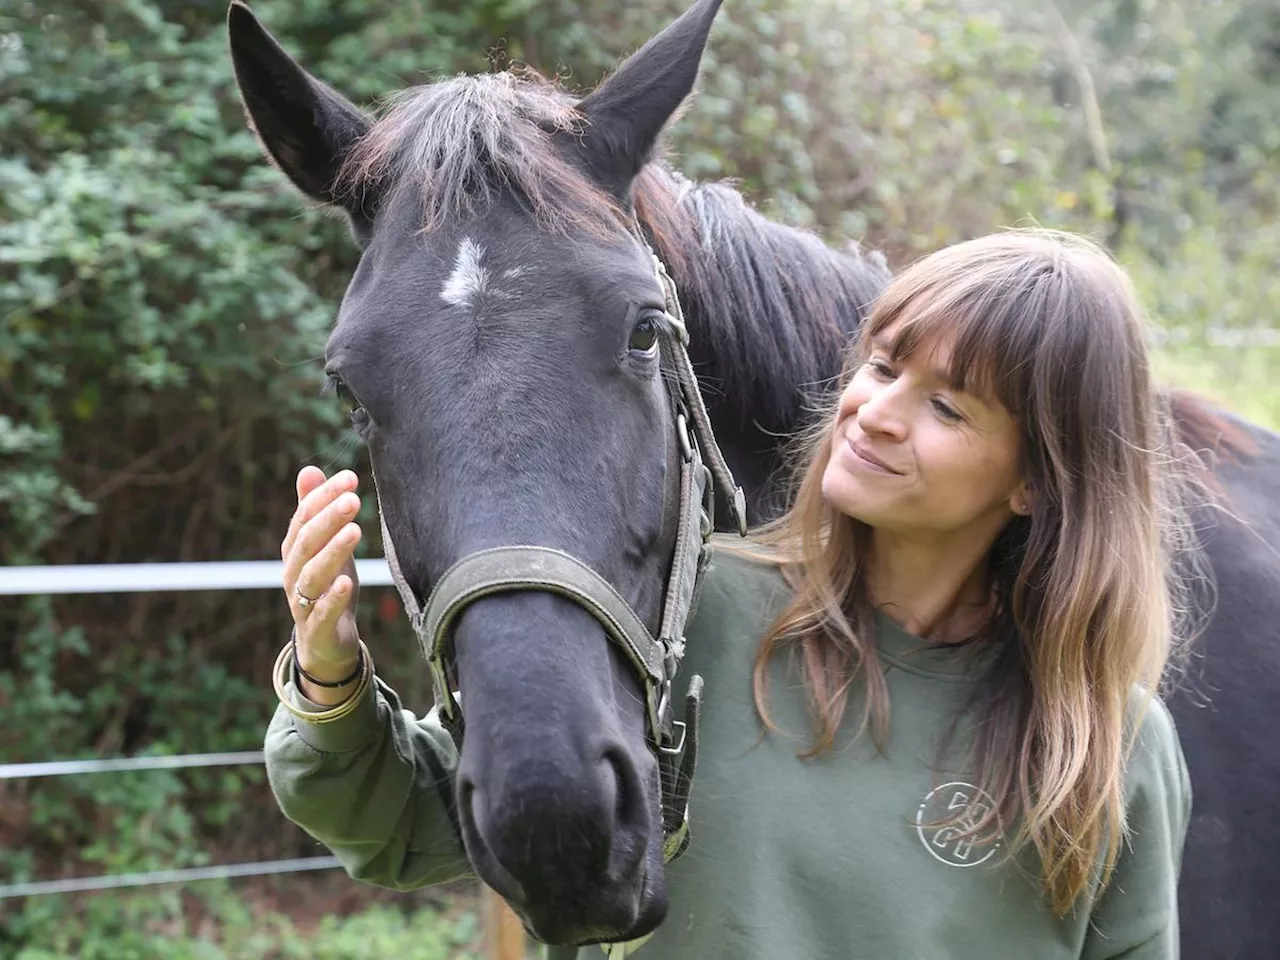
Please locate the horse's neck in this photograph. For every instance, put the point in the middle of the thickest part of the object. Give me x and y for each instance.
(770, 311)
(756, 459)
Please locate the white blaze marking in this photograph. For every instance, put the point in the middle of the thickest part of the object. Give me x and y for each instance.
(469, 279)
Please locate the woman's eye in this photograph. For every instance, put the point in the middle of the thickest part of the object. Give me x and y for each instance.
(947, 412)
(880, 368)
(644, 336)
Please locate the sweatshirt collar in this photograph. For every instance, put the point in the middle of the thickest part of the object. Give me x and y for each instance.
(941, 661)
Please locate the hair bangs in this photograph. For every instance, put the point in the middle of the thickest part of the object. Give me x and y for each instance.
(990, 341)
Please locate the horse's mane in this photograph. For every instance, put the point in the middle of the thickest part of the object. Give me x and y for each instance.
(771, 307)
(1210, 435)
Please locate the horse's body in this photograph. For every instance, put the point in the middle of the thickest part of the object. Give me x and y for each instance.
(1222, 707)
(1232, 679)
(508, 389)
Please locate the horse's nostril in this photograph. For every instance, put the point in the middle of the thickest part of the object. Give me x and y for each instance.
(471, 818)
(466, 798)
(614, 765)
(628, 796)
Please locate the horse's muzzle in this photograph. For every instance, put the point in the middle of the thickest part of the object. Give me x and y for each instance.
(576, 853)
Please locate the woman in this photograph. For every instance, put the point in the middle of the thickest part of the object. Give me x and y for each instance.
(988, 535)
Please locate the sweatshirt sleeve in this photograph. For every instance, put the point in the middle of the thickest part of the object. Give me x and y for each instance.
(1136, 918)
(375, 787)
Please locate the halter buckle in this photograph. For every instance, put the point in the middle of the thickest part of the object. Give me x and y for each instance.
(685, 438)
(677, 726)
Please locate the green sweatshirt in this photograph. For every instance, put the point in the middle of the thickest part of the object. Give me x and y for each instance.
(838, 857)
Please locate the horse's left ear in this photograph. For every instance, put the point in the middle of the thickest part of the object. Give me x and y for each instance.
(627, 112)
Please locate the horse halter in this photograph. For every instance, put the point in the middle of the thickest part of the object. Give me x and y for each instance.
(657, 660)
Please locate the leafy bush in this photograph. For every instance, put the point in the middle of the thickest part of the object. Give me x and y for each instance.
(157, 928)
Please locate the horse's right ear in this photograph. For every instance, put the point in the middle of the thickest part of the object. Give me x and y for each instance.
(305, 127)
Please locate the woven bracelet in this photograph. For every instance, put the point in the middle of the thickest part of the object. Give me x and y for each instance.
(282, 673)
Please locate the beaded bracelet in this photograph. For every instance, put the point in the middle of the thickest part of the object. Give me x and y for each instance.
(282, 673)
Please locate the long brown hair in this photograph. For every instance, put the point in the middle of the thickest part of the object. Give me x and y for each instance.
(1093, 589)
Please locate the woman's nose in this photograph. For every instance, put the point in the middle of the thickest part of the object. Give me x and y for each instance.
(882, 412)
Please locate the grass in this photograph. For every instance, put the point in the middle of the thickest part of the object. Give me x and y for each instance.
(1214, 296)
(1245, 381)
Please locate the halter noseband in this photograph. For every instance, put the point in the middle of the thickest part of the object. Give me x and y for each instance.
(656, 660)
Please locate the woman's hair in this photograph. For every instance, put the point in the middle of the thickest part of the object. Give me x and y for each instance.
(1092, 589)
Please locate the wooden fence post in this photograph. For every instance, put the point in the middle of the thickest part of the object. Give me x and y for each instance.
(504, 933)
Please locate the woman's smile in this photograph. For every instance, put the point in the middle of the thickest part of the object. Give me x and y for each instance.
(864, 459)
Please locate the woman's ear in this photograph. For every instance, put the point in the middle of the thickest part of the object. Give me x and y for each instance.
(1020, 502)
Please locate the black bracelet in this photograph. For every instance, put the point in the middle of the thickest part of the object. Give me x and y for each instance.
(299, 672)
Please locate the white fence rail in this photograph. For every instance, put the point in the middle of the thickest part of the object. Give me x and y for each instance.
(146, 578)
(155, 877)
(62, 768)
(160, 577)
(504, 934)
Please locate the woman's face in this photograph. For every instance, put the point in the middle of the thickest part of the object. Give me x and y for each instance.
(912, 455)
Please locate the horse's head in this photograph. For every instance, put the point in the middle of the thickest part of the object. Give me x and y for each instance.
(500, 345)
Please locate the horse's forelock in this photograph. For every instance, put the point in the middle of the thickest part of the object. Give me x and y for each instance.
(460, 143)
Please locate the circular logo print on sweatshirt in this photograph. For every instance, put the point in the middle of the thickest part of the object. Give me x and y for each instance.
(944, 823)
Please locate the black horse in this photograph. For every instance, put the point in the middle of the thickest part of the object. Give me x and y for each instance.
(499, 347)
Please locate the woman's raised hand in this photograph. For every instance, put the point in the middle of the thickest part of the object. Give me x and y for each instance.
(320, 581)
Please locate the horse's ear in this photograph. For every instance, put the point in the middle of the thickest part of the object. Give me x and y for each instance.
(305, 127)
(627, 112)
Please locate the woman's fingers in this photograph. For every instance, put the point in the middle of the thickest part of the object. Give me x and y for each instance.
(318, 575)
(309, 478)
(314, 537)
(319, 530)
(314, 501)
(323, 644)
(348, 570)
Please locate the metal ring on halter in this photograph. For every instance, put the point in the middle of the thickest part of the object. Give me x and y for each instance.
(305, 601)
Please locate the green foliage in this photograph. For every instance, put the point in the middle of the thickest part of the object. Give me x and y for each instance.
(155, 927)
(916, 123)
(1216, 310)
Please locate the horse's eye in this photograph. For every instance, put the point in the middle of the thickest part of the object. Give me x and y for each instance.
(644, 336)
(360, 420)
(335, 384)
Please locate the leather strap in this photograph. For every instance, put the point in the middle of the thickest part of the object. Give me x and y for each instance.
(688, 560)
(692, 396)
(507, 569)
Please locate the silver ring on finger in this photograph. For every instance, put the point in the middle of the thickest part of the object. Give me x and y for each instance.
(304, 601)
